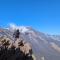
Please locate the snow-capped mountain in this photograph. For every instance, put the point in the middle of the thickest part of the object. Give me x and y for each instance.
(45, 47)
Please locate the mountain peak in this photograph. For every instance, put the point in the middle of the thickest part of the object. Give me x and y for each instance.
(22, 29)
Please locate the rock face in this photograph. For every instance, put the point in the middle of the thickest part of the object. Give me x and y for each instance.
(15, 51)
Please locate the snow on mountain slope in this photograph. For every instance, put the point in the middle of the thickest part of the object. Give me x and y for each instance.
(23, 29)
(44, 46)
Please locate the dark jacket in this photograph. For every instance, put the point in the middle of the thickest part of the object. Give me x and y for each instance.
(16, 34)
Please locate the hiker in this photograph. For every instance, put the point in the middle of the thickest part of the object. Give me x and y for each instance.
(16, 34)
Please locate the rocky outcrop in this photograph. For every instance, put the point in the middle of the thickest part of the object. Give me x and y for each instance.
(18, 50)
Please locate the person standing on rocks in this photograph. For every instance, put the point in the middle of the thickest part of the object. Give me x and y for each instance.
(16, 34)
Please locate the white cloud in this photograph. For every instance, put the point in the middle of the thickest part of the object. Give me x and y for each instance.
(13, 27)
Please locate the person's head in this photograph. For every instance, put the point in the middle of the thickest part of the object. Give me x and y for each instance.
(17, 30)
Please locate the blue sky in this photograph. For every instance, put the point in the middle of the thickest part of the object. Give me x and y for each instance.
(43, 15)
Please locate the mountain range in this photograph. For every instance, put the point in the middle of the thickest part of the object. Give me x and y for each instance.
(44, 46)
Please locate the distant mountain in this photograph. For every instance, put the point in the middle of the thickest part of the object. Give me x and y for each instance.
(45, 47)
